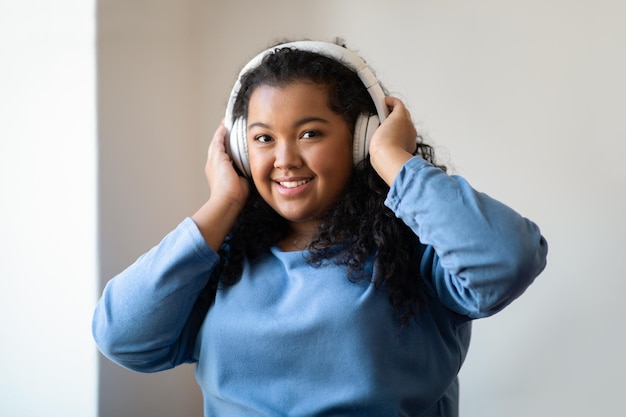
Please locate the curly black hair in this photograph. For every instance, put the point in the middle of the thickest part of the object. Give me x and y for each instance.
(359, 226)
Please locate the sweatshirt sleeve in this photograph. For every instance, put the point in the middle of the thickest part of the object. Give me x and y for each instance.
(478, 255)
(147, 318)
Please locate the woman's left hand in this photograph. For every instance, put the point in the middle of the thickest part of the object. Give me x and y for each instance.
(394, 141)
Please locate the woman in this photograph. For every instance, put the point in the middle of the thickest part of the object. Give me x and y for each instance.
(314, 281)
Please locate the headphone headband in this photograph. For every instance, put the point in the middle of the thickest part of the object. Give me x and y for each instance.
(237, 148)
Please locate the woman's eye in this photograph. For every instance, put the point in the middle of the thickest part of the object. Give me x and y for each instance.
(310, 134)
(263, 138)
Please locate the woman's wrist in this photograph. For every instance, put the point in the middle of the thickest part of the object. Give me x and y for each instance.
(215, 219)
(388, 162)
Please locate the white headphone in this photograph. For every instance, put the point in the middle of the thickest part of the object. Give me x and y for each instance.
(237, 145)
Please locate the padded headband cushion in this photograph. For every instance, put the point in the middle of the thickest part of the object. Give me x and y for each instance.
(236, 145)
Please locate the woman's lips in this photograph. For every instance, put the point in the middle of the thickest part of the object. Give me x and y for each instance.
(291, 186)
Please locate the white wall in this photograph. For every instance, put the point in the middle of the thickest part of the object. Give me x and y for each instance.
(524, 98)
(48, 362)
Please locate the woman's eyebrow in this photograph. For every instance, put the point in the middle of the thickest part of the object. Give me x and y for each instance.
(297, 123)
(306, 120)
(258, 124)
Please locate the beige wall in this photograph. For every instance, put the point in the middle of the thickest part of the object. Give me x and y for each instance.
(524, 98)
(150, 172)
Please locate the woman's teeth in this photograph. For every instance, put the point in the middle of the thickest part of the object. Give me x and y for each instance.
(293, 184)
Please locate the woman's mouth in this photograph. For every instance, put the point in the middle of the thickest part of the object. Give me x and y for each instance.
(292, 184)
(292, 187)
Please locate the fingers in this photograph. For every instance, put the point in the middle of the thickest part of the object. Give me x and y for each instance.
(219, 137)
(397, 106)
(398, 129)
(392, 101)
(217, 148)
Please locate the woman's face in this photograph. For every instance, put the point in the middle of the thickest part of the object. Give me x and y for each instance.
(300, 150)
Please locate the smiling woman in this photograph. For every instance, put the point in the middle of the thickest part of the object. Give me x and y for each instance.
(300, 155)
(325, 283)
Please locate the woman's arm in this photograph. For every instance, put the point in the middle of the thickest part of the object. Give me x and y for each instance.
(480, 254)
(147, 318)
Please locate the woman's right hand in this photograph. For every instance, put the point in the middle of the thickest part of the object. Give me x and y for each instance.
(228, 193)
(224, 182)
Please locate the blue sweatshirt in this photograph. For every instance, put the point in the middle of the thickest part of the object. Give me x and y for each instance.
(290, 339)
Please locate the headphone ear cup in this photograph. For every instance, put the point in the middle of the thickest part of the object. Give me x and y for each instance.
(237, 146)
(364, 129)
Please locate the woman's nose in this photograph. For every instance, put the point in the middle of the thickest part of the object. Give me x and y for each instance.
(287, 155)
